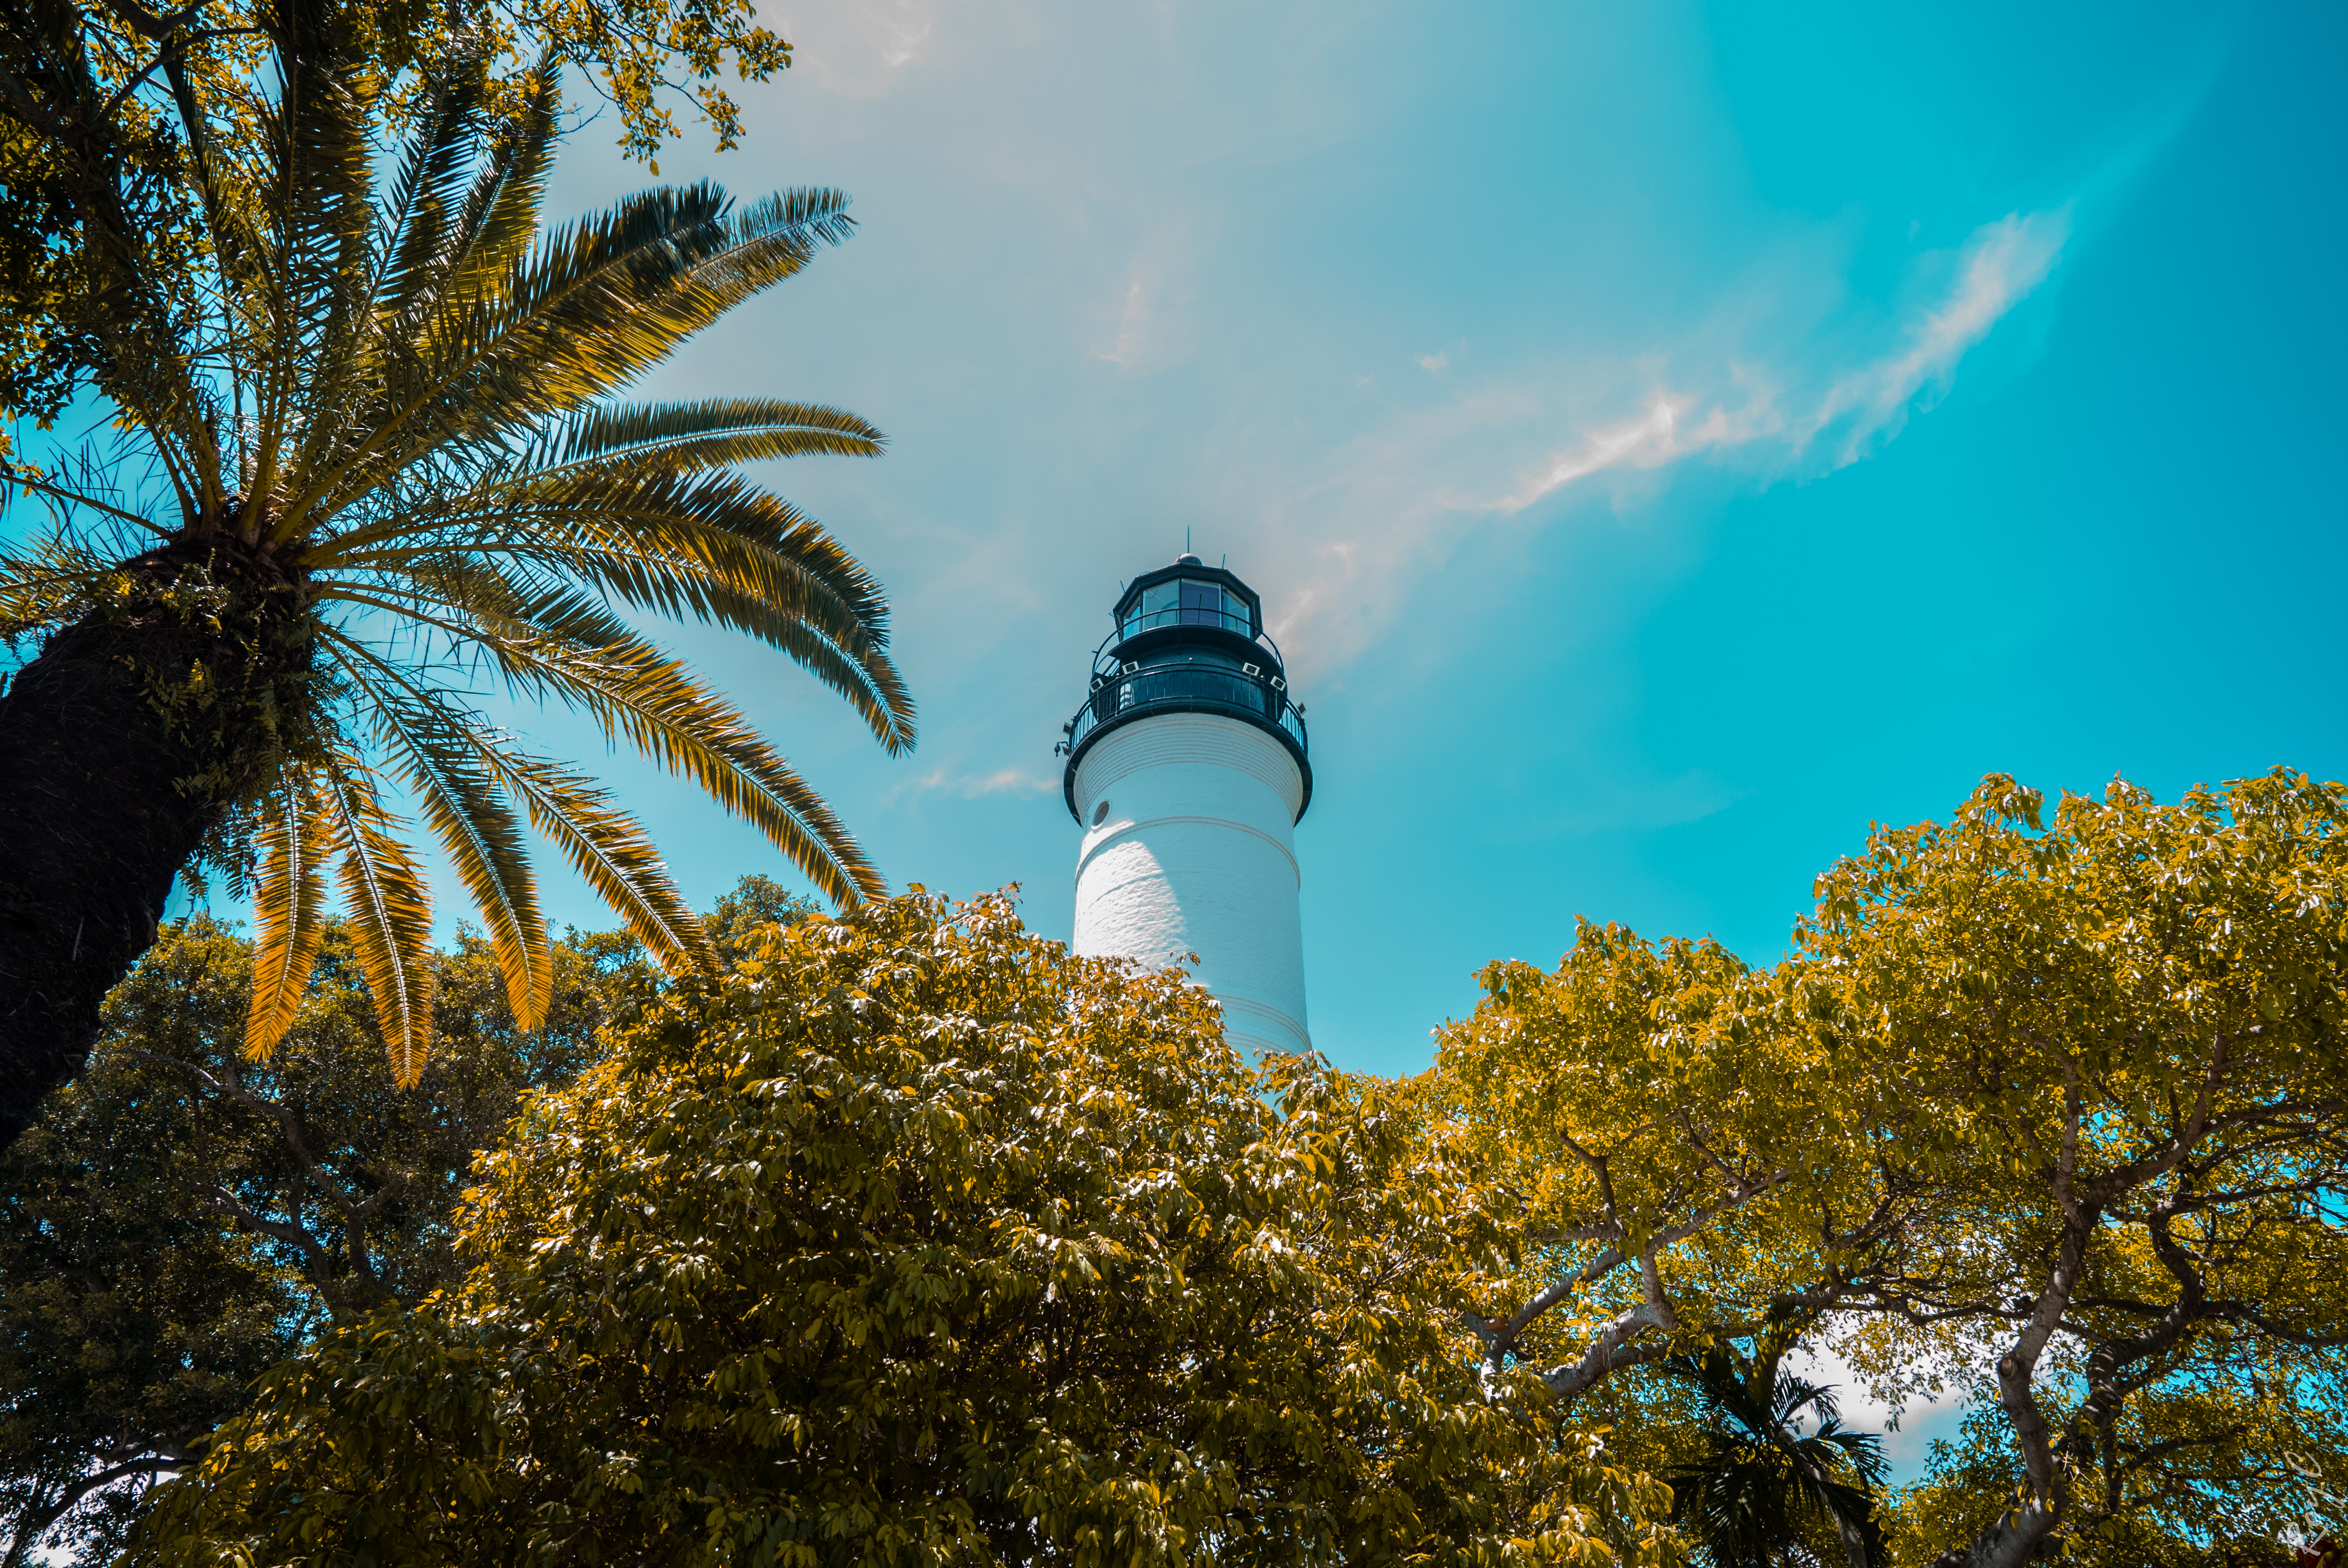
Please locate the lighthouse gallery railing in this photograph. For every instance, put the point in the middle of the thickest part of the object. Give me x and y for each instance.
(1187, 688)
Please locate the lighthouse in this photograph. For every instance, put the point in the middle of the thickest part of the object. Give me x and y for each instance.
(1187, 773)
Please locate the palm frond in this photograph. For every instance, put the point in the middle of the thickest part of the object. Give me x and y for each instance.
(712, 433)
(461, 374)
(403, 233)
(390, 911)
(308, 300)
(501, 212)
(140, 330)
(869, 679)
(323, 168)
(47, 584)
(438, 756)
(607, 847)
(595, 662)
(713, 579)
(289, 902)
(718, 524)
(773, 239)
(417, 391)
(425, 201)
(597, 305)
(1761, 1486)
(557, 644)
(431, 225)
(715, 549)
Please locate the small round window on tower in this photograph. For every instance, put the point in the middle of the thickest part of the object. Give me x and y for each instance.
(1100, 813)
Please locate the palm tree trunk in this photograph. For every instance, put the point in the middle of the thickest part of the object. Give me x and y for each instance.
(122, 745)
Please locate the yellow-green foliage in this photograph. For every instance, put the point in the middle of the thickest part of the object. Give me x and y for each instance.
(178, 1220)
(918, 1240)
(1675, 1152)
(2113, 1049)
(2049, 1111)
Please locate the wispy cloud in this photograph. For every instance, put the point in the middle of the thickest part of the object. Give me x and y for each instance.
(858, 51)
(1774, 398)
(1646, 440)
(1132, 323)
(1854, 410)
(971, 786)
(2002, 263)
(1156, 309)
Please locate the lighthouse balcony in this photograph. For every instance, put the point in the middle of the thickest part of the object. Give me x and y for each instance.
(1189, 687)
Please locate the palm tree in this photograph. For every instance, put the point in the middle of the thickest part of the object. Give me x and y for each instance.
(1763, 1488)
(388, 471)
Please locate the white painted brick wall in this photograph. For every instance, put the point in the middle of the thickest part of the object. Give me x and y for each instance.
(1198, 854)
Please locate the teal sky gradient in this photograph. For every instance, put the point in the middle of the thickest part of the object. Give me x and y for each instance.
(1667, 438)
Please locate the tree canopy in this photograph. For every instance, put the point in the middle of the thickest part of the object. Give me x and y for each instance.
(915, 1237)
(919, 1240)
(117, 121)
(180, 1219)
(2116, 1047)
(2052, 1111)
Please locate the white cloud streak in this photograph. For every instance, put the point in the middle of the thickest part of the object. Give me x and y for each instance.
(1131, 324)
(858, 51)
(1116, 290)
(1860, 408)
(1393, 504)
(972, 786)
(2000, 266)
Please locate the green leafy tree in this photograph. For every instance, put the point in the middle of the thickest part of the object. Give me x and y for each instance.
(743, 915)
(350, 1175)
(2053, 1110)
(921, 1240)
(131, 1321)
(392, 464)
(2224, 1497)
(1683, 1158)
(178, 1219)
(2118, 1042)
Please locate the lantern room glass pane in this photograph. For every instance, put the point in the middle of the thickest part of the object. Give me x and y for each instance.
(1202, 604)
(1184, 603)
(1159, 606)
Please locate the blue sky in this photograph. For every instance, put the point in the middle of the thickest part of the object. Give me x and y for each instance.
(1667, 438)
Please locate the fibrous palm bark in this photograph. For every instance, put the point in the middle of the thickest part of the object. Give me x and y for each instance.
(120, 745)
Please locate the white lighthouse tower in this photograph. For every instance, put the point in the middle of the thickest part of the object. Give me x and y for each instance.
(1187, 771)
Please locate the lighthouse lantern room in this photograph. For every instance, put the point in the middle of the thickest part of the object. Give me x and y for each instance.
(1187, 770)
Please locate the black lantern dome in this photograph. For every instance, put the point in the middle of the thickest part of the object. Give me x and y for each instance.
(1190, 639)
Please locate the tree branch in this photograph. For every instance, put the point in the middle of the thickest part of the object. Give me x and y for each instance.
(36, 1519)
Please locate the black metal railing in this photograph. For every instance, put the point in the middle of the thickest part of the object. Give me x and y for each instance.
(1191, 688)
